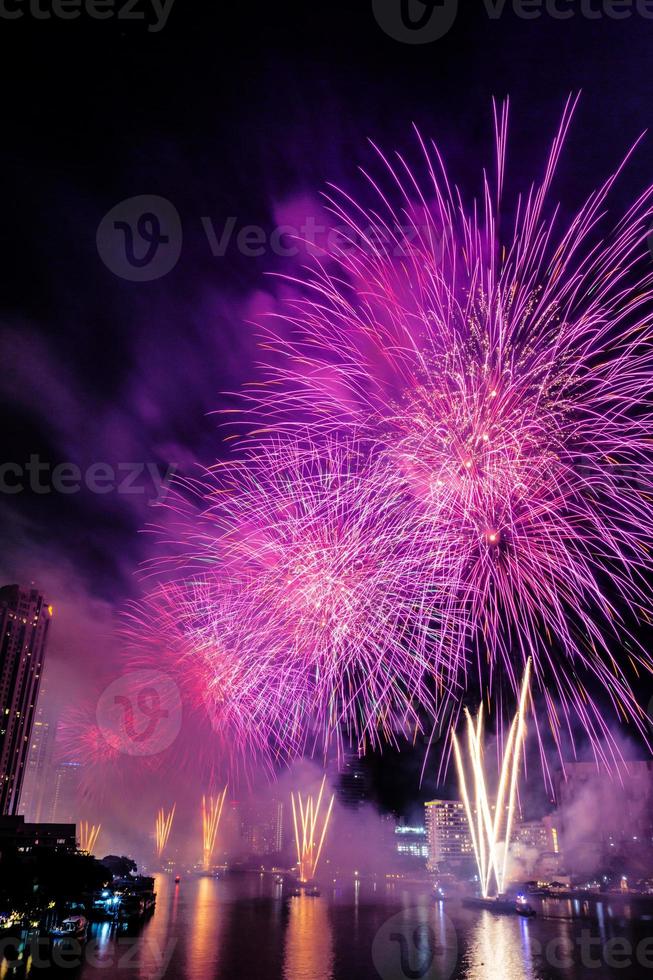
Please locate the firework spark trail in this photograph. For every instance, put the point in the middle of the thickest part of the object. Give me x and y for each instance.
(502, 366)
(304, 606)
(88, 836)
(488, 833)
(103, 766)
(225, 653)
(310, 826)
(322, 545)
(450, 475)
(211, 815)
(79, 737)
(193, 628)
(163, 826)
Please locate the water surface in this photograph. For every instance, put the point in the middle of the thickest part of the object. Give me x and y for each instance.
(249, 927)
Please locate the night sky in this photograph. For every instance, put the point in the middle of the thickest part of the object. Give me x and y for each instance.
(237, 115)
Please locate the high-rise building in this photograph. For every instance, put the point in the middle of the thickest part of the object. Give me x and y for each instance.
(231, 827)
(534, 849)
(351, 780)
(533, 834)
(62, 804)
(412, 844)
(38, 784)
(24, 623)
(262, 827)
(449, 842)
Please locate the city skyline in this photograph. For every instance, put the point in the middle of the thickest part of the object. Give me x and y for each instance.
(258, 827)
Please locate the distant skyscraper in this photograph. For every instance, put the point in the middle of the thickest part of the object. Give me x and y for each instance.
(231, 826)
(351, 781)
(62, 804)
(37, 786)
(262, 827)
(449, 841)
(24, 623)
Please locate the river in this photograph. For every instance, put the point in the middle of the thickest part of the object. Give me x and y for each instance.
(250, 928)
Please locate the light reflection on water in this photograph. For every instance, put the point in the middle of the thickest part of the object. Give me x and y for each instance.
(249, 928)
(309, 941)
(203, 920)
(499, 947)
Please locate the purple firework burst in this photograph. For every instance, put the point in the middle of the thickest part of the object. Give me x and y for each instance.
(499, 364)
(300, 604)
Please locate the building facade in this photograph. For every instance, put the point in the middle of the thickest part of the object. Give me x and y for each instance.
(411, 845)
(350, 780)
(262, 827)
(533, 834)
(449, 842)
(61, 804)
(24, 625)
(36, 795)
(16, 834)
(535, 850)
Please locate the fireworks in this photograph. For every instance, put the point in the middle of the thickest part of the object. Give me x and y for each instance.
(329, 589)
(211, 814)
(309, 615)
(501, 366)
(163, 826)
(310, 825)
(88, 836)
(488, 832)
(450, 475)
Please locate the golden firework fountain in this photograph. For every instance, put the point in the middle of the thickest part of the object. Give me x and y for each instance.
(490, 834)
(310, 830)
(211, 815)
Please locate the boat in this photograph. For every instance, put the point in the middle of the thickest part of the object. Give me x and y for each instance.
(74, 927)
(522, 907)
(501, 905)
(314, 892)
(177, 879)
(296, 892)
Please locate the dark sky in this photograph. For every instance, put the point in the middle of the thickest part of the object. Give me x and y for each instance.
(232, 112)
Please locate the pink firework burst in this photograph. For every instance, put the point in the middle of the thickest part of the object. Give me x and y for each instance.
(499, 365)
(238, 710)
(304, 601)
